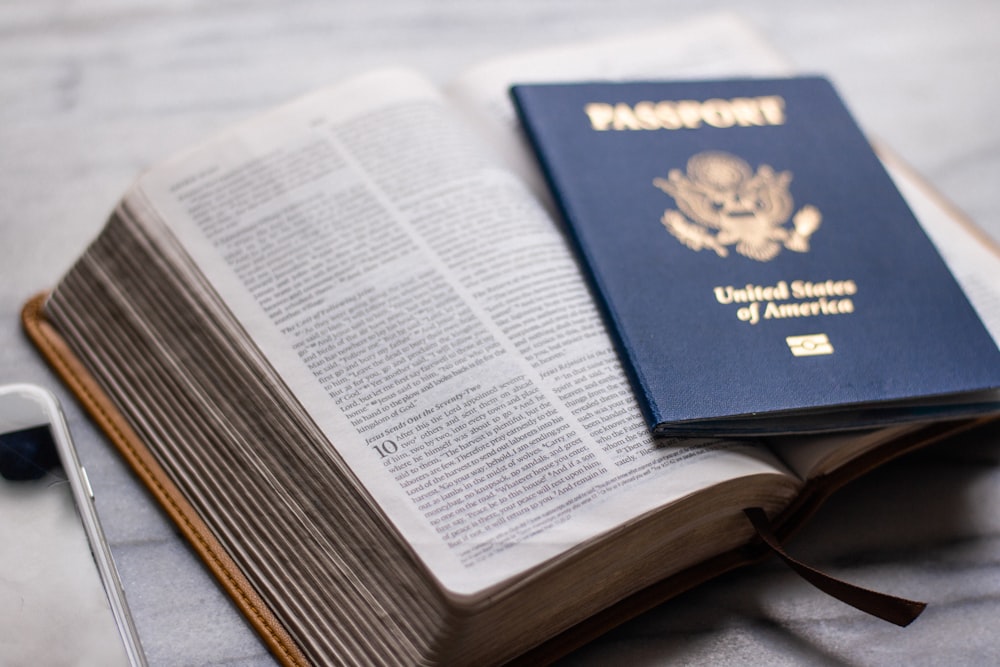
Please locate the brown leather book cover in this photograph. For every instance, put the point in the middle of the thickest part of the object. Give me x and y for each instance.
(99, 407)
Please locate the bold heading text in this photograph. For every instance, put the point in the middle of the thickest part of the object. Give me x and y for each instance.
(687, 114)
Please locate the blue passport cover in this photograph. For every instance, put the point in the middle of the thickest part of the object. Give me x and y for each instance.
(759, 268)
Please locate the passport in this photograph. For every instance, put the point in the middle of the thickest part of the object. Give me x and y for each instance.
(757, 266)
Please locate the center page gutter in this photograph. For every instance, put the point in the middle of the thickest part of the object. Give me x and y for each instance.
(425, 311)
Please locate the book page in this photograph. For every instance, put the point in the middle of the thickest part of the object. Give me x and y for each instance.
(713, 45)
(425, 311)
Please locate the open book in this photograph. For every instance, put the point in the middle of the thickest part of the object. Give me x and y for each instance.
(349, 350)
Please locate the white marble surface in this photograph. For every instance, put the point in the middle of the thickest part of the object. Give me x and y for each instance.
(90, 93)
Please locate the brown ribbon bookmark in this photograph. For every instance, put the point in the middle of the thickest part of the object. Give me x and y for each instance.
(896, 610)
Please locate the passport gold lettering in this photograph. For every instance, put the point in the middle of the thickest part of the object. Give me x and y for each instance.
(687, 114)
(645, 114)
(808, 308)
(730, 294)
(624, 118)
(775, 302)
(690, 113)
(666, 114)
(802, 289)
(750, 313)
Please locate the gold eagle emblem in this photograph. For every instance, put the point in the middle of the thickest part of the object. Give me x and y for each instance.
(723, 202)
